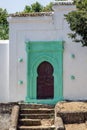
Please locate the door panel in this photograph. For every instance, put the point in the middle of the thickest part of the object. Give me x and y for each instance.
(45, 81)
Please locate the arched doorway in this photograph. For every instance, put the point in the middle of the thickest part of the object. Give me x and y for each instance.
(44, 72)
(45, 81)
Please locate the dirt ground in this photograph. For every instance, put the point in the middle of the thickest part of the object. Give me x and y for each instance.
(4, 121)
(81, 126)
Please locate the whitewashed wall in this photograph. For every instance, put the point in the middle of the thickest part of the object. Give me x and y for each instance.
(4, 71)
(76, 88)
(46, 28)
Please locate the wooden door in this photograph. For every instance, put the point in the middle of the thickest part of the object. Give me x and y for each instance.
(45, 81)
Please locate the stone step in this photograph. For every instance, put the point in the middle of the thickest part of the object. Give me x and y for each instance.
(36, 106)
(36, 116)
(29, 122)
(36, 127)
(36, 111)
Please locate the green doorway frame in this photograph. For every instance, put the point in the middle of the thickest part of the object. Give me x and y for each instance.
(37, 52)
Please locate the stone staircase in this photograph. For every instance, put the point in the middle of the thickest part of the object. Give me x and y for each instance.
(36, 117)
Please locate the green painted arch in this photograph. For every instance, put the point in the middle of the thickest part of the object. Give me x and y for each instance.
(41, 59)
(55, 65)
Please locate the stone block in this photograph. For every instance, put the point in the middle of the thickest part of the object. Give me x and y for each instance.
(59, 123)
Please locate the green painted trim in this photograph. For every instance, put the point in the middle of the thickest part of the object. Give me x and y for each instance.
(20, 82)
(37, 52)
(72, 77)
(73, 56)
(46, 101)
(31, 46)
(20, 59)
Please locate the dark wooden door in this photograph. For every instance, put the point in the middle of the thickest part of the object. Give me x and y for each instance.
(45, 81)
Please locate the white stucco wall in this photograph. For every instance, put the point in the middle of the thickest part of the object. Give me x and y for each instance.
(46, 28)
(75, 88)
(4, 72)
